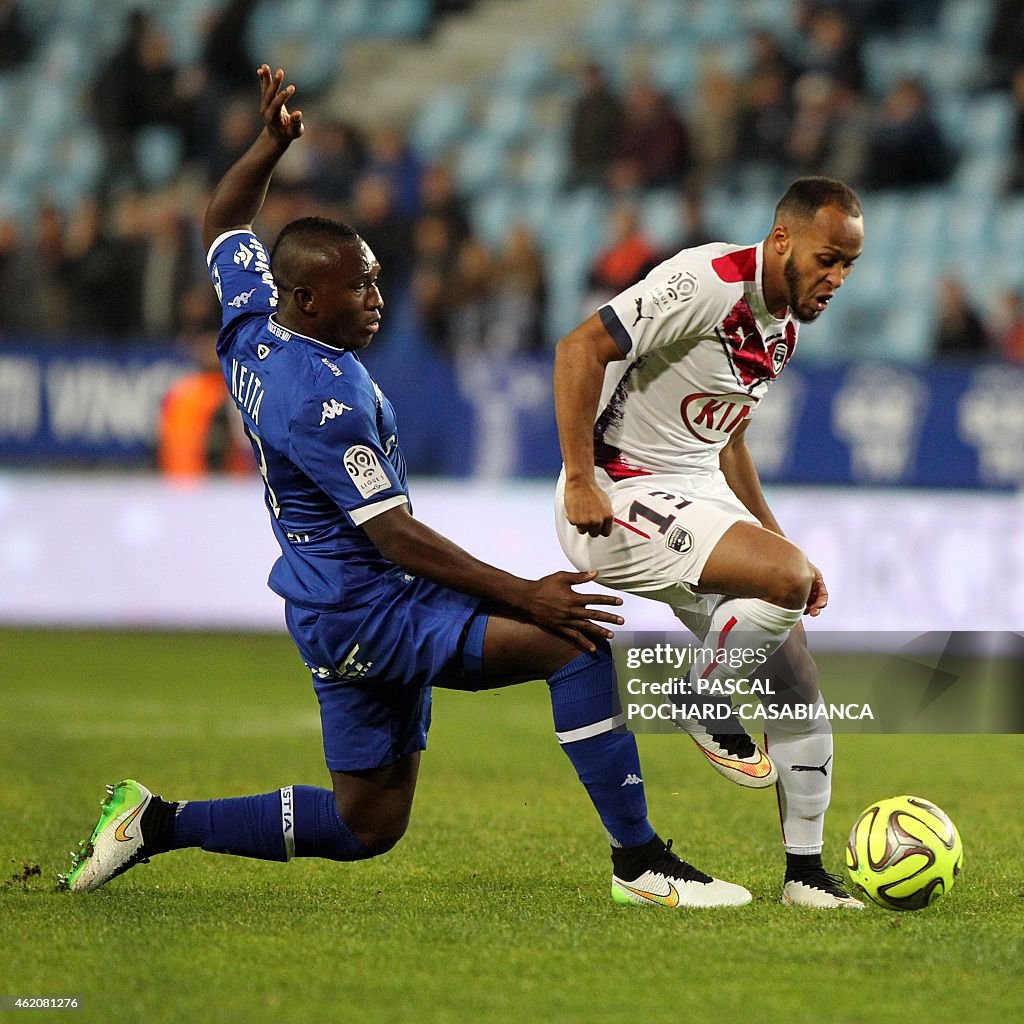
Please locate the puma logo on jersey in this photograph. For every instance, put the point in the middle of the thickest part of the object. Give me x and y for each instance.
(640, 313)
(332, 409)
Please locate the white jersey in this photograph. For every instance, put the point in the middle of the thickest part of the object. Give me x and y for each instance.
(701, 351)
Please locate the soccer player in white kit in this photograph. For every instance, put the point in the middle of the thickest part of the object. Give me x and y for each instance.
(660, 495)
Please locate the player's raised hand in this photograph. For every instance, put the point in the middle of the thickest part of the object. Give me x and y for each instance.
(588, 508)
(283, 125)
(554, 605)
(818, 597)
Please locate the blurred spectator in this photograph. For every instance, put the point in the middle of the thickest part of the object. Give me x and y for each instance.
(519, 297)
(335, 156)
(38, 269)
(764, 120)
(1006, 327)
(16, 43)
(236, 127)
(629, 256)
(135, 88)
(225, 56)
(469, 315)
(439, 197)
(593, 127)
(829, 130)
(14, 316)
(906, 147)
(387, 232)
(200, 431)
(1005, 44)
(714, 119)
(768, 54)
(392, 157)
(1015, 175)
(960, 332)
(834, 48)
(695, 230)
(172, 262)
(93, 268)
(653, 147)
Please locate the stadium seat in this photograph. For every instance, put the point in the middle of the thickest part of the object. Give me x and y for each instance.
(442, 121)
(158, 152)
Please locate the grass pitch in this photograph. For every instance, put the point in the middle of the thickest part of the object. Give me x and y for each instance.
(495, 906)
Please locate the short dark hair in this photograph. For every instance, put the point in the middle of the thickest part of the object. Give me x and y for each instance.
(806, 196)
(307, 237)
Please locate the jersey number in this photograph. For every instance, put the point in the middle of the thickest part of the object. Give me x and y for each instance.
(262, 459)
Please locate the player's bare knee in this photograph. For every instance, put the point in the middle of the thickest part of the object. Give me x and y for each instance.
(791, 581)
(375, 845)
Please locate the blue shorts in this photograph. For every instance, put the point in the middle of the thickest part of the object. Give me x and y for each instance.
(373, 667)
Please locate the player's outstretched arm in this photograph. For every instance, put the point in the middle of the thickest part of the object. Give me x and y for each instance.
(580, 361)
(549, 602)
(239, 196)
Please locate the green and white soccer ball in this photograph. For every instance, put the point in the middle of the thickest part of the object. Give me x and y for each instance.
(904, 853)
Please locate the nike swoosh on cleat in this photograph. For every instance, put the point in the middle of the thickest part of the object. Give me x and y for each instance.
(759, 770)
(668, 899)
(119, 832)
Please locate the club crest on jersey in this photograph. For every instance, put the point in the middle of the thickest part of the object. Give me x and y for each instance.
(754, 358)
(363, 466)
(333, 409)
(779, 352)
(679, 540)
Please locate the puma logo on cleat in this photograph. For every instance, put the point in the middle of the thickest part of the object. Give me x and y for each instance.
(632, 780)
(812, 767)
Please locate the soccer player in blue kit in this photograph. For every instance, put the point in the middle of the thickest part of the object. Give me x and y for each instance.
(380, 606)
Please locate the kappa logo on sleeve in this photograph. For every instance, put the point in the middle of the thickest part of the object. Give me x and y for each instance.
(363, 466)
(332, 409)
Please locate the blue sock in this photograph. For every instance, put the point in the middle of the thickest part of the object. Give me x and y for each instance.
(590, 727)
(296, 821)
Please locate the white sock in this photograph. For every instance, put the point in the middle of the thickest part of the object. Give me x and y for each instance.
(804, 761)
(746, 631)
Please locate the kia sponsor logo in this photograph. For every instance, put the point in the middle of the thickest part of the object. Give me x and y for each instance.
(711, 417)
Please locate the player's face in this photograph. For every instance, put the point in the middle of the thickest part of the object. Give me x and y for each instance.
(350, 301)
(821, 255)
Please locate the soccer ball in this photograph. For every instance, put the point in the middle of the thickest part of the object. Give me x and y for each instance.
(904, 853)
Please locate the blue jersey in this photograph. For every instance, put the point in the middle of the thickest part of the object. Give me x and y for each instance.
(323, 434)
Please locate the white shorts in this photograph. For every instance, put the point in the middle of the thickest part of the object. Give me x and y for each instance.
(665, 528)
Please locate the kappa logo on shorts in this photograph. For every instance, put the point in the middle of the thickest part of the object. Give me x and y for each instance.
(363, 466)
(679, 540)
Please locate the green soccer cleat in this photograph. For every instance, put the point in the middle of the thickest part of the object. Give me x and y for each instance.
(116, 843)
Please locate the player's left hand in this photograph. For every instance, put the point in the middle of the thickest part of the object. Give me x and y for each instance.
(284, 126)
(818, 597)
(552, 604)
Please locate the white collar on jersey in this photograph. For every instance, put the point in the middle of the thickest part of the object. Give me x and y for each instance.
(286, 334)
